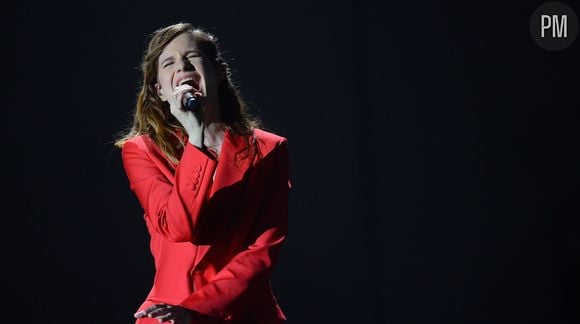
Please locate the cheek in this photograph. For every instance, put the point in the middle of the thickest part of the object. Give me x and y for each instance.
(164, 80)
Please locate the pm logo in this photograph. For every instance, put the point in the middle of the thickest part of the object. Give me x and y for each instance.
(559, 26)
(554, 26)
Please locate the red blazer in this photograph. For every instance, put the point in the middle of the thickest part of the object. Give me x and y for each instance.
(215, 239)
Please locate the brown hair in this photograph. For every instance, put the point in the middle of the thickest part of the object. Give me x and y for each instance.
(153, 117)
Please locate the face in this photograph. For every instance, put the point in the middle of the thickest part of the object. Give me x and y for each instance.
(181, 61)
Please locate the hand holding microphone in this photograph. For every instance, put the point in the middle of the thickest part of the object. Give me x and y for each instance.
(185, 106)
(186, 98)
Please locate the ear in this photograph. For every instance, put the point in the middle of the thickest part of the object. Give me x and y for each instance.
(160, 92)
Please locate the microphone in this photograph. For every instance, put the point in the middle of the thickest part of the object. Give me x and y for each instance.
(190, 102)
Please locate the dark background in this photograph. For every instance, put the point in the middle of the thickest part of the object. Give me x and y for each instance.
(433, 146)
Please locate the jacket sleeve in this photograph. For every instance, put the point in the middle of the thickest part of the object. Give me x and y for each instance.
(227, 292)
(173, 209)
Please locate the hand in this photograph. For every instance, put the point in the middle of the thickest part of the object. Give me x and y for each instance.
(191, 121)
(167, 313)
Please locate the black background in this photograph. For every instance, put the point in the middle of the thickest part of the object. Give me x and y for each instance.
(433, 146)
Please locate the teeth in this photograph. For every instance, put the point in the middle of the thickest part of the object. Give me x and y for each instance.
(185, 80)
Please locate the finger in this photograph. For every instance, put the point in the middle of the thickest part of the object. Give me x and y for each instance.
(154, 307)
(183, 87)
(158, 312)
(148, 310)
(181, 90)
(140, 314)
(165, 317)
(176, 101)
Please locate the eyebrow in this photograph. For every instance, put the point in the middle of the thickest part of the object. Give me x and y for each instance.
(166, 59)
(186, 53)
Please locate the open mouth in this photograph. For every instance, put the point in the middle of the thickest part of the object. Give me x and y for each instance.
(189, 80)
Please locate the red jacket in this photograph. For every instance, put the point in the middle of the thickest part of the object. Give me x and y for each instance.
(214, 241)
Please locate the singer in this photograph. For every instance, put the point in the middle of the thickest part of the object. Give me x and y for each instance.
(213, 185)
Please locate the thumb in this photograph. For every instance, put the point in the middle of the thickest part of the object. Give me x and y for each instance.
(140, 314)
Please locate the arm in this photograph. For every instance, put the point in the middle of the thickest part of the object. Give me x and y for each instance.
(173, 209)
(226, 293)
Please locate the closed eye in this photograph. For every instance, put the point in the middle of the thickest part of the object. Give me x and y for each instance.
(192, 56)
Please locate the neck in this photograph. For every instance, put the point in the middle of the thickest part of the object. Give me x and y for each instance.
(213, 134)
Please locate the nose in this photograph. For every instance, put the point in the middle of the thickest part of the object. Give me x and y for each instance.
(183, 64)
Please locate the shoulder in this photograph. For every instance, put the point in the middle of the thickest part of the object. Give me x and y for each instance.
(269, 140)
(141, 144)
(142, 141)
(272, 147)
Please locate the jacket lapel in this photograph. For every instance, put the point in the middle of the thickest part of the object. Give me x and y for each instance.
(230, 176)
(230, 168)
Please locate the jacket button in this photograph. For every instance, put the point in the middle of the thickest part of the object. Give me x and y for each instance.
(195, 181)
(197, 168)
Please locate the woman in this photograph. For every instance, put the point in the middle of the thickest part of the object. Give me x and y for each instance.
(212, 184)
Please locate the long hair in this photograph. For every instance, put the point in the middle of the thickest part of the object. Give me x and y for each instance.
(152, 116)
